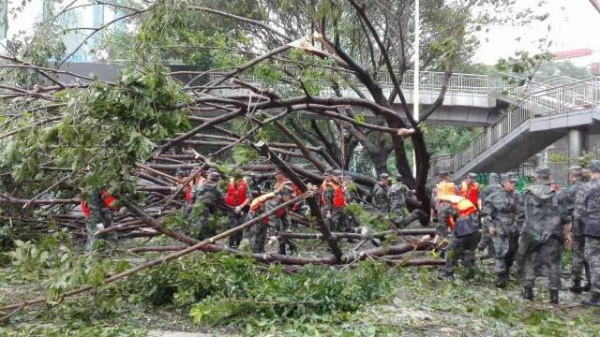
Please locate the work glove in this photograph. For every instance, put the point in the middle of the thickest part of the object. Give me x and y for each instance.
(238, 210)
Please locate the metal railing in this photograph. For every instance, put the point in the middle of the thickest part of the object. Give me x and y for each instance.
(569, 97)
(429, 81)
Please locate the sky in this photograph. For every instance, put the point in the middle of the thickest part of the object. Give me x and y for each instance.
(574, 24)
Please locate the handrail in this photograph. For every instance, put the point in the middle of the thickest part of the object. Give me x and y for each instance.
(565, 98)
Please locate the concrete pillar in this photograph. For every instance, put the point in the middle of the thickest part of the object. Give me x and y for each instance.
(578, 142)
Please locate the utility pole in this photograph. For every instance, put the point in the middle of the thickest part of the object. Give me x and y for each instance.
(416, 96)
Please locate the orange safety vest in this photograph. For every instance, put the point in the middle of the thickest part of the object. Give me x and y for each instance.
(445, 188)
(470, 191)
(258, 202)
(463, 205)
(236, 195)
(108, 200)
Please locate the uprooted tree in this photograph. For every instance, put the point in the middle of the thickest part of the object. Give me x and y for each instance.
(257, 98)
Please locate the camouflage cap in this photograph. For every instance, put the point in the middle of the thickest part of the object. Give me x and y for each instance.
(508, 176)
(472, 175)
(336, 173)
(543, 172)
(285, 191)
(383, 176)
(214, 176)
(328, 172)
(576, 170)
(594, 166)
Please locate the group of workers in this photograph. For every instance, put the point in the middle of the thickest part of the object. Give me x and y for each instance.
(528, 230)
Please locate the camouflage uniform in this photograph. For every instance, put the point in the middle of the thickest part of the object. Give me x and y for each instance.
(461, 247)
(380, 198)
(503, 212)
(100, 216)
(397, 195)
(542, 237)
(492, 187)
(578, 263)
(351, 197)
(587, 210)
(207, 199)
(258, 232)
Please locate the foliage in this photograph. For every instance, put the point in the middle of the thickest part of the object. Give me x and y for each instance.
(553, 69)
(107, 129)
(441, 139)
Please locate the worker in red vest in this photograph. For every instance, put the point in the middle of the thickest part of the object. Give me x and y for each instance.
(458, 217)
(334, 201)
(238, 197)
(469, 189)
(97, 209)
(257, 234)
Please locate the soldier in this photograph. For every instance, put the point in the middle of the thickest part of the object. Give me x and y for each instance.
(578, 263)
(444, 187)
(379, 196)
(98, 208)
(544, 234)
(502, 220)
(398, 194)
(458, 215)
(352, 196)
(492, 187)
(263, 204)
(238, 197)
(208, 198)
(334, 201)
(587, 212)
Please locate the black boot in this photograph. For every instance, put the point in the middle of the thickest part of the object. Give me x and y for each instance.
(587, 286)
(554, 296)
(501, 281)
(576, 287)
(528, 293)
(594, 300)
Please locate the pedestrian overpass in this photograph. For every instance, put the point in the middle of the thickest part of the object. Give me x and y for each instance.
(542, 113)
(521, 118)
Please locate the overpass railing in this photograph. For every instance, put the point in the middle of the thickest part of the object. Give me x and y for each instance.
(570, 97)
(428, 81)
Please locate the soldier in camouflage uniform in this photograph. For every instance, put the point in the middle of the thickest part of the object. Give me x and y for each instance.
(398, 194)
(587, 212)
(379, 196)
(578, 263)
(208, 198)
(492, 187)
(100, 217)
(544, 234)
(460, 215)
(502, 217)
(257, 234)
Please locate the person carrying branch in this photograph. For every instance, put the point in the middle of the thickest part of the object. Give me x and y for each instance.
(257, 234)
(457, 219)
(208, 199)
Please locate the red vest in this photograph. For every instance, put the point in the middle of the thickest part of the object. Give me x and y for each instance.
(470, 191)
(108, 200)
(236, 195)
